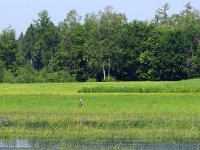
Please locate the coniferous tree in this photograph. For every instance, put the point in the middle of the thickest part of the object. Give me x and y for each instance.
(70, 56)
(161, 15)
(8, 49)
(41, 41)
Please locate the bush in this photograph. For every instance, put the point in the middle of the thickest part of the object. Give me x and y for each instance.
(109, 79)
(39, 77)
(26, 74)
(60, 76)
(1, 71)
(25, 77)
(91, 80)
(9, 77)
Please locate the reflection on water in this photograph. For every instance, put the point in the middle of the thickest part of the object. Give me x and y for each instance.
(26, 144)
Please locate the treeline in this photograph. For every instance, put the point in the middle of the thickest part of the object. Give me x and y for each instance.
(105, 47)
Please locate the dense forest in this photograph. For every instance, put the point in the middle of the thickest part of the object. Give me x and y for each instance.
(103, 47)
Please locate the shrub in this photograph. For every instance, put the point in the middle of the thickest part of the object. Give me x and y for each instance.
(9, 77)
(109, 79)
(40, 76)
(91, 80)
(1, 71)
(26, 75)
(60, 76)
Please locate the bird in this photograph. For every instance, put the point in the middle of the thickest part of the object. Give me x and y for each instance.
(81, 101)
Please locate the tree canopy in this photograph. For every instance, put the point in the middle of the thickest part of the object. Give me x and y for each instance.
(103, 46)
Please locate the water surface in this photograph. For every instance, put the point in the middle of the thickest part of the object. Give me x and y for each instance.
(26, 144)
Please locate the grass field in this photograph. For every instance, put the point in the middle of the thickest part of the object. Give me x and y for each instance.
(160, 112)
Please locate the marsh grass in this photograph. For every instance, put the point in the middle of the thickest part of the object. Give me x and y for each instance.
(148, 87)
(50, 111)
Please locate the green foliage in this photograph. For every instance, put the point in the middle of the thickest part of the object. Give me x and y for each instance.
(91, 80)
(60, 76)
(109, 79)
(104, 45)
(8, 48)
(196, 63)
(2, 69)
(163, 60)
(71, 55)
(26, 74)
(40, 41)
(103, 40)
(9, 77)
(161, 15)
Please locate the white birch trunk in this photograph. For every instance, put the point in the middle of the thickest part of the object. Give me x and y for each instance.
(109, 66)
(104, 73)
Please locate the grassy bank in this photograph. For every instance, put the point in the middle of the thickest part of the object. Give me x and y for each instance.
(50, 111)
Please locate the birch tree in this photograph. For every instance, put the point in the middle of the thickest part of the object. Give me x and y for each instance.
(104, 42)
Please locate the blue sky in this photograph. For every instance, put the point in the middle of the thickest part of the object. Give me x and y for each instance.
(20, 13)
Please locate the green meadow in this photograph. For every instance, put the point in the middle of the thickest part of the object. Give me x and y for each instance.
(116, 111)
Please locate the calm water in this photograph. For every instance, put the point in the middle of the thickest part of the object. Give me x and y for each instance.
(25, 144)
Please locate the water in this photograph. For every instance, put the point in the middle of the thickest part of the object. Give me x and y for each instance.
(26, 144)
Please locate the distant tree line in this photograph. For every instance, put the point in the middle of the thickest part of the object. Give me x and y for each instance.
(105, 47)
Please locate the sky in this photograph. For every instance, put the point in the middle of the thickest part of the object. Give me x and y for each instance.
(19, 14)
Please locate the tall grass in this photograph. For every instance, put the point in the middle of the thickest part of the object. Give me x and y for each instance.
(51, 111)
(189, 86)
(139, 89)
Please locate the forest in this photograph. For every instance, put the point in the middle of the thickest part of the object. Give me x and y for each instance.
(103, 46)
